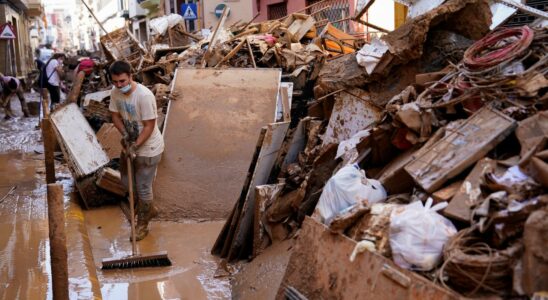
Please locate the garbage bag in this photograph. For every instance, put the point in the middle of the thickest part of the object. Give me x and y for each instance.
(161, 24)
(418, 234)
(346, 188)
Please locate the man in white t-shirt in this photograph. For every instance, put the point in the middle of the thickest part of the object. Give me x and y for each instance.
(134, 114)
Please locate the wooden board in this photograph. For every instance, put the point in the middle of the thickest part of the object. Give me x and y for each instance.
(460, 148)
(319, 268)
(243, 238)
(350, 115)
(84, 153)
(297, 143)
(224, 240)
(469, 192)
(109, 137)
(210, 133)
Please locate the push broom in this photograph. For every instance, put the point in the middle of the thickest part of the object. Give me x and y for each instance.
(135, 260)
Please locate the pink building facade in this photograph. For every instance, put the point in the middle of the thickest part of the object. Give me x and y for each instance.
(274, 9)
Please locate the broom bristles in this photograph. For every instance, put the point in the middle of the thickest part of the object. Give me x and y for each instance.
(159, 259)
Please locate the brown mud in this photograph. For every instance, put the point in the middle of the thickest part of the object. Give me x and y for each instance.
(92, 235)
(188, 246)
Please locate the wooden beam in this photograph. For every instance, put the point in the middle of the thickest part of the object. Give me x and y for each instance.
(251, 52)
(231, 53)
(364, 9)
(57, 242)
(213, 40)
(76, 87)
(49, 140)
(372, 25)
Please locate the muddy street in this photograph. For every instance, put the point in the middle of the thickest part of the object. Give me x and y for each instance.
(92, 235)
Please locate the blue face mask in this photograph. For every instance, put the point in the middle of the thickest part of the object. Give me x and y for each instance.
(125, 89)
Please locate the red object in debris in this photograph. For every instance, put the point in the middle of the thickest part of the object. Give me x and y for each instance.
(472, 105)
(400, 141)
(86, 65)
(268, 38)
(487, 52)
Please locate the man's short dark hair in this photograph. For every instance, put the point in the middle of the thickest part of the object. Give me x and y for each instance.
(120, 67)
(12, 84)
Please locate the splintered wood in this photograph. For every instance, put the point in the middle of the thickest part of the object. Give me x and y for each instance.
(111, 181)
(460, 148)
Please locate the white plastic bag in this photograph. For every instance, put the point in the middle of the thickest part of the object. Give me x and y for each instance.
(418, 234)
(346, 188)
(161, 24)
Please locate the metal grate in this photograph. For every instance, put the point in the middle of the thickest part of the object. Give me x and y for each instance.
(276, 11)
(522, 18)
(332, 11)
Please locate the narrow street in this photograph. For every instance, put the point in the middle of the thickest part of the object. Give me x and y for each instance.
(273, 149)
(91, 236)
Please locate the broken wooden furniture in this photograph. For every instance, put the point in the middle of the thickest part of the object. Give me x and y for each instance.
(122, 45)
(460, 148)
(85, 156)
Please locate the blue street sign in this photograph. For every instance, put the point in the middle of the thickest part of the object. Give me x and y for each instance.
(189, 11)
(219, 10)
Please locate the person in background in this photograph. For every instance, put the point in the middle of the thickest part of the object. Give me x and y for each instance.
(12, 86)
(53, 71)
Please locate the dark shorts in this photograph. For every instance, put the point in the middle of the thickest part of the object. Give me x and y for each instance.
(54, 93)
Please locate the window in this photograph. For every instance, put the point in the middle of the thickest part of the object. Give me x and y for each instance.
(276, 11)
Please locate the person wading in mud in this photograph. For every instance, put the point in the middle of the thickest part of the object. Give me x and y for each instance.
(133, 109)
(12, 86)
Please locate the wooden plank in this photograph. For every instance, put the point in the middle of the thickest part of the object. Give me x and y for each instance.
(298, 26)
(350, 115)
(319, 268)
(297, 143)
(446, 193)
(85, 154)
(210, 133)
(243, 239)
(48, 138)
(76, 87)
(109, 137)
(460, 148)
(214, 35)
(224, 240)
(110, 180)
(469, 192)
(283, 104)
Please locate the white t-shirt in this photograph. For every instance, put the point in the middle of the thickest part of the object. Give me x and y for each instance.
(52, 74)
(134, 108)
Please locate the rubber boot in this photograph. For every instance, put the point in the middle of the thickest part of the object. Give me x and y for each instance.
(145, 212)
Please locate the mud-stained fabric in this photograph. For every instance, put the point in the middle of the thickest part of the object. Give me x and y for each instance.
(144, 170)
(135, 108)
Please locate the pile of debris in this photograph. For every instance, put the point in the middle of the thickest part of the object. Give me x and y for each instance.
(292, 44)
(427, 146)
(455, 157)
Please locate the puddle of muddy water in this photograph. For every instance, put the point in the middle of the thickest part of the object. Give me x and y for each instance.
(24, 245)
(188, 246)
